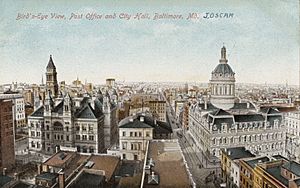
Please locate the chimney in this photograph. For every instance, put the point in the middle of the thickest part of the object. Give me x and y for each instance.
(205, 104)
(39, 168)
(56, 149)
(142, 119)
(229, 153)
(248, 105)
(155, 123)
(4, 171)
(61, 180)
(130, 119)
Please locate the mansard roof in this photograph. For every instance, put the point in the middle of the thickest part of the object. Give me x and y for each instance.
(220, 112)
(270, 110)
(243, 105)
(249, 118)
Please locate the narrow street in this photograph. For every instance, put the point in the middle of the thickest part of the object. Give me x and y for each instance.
(193, 158)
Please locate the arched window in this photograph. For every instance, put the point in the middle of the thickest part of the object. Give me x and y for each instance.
(57, 126)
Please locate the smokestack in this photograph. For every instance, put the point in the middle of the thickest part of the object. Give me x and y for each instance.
(4, 171)
(61, 180)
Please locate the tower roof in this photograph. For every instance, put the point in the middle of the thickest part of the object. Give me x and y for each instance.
(50, 63)
(223, 68)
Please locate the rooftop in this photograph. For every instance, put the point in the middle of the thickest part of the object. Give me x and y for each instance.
(293, 167)
(87, 180)
(4, 180)
(238, 153)
(253, 162)
(47, 176)
(167, 155)
(105, 163)
(276, 173)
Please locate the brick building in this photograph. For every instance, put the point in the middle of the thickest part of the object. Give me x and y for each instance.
(7, 152)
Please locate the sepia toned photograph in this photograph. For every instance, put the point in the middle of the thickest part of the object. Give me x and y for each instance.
(149, 94)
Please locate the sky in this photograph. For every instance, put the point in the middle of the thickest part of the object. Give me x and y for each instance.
(262, 41)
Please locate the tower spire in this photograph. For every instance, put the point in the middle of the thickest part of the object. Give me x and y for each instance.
(223, 55)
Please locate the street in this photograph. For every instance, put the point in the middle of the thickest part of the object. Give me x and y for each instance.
(198, 166)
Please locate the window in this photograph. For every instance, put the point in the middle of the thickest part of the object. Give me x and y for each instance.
(91, 137)
(124, 156)
(84, 137)
(123, 133)
(135, 134)
(77, 137)
(147, 134)
(77, 128)
(124, 145)
(131, 134)
(67, 137)
(91, 150)
(83, 127)
(32, 133)
(67, 129)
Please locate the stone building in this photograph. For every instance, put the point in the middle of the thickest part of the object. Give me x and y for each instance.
(135, 131)
(87, 123)
(220, 122)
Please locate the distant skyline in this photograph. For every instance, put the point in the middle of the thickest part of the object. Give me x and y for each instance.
(262, 41)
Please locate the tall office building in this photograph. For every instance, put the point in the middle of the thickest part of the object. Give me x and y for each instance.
(7, 149)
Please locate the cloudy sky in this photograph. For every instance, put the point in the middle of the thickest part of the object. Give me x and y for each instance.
(261, 39)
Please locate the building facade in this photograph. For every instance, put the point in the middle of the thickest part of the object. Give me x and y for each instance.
(18, 108)
(221, 123)
(135, 131)
(87, 123)
(7, 149)
(159, 109)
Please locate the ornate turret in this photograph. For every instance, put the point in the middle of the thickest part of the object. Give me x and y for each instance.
(67, 105)
(222, 84)
(49, 104)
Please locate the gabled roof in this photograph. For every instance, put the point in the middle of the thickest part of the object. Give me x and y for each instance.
(59, 108)
(39, 112)
(153, 179)
(50, 63)
(86, 112)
